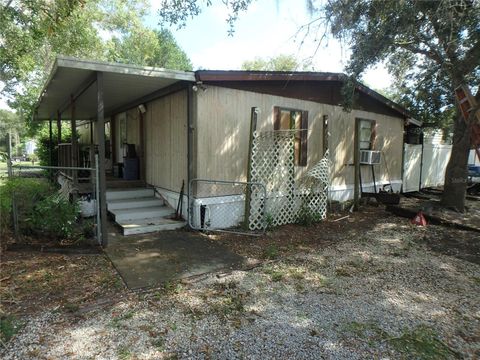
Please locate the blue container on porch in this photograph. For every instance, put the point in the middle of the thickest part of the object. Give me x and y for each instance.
(130, 168)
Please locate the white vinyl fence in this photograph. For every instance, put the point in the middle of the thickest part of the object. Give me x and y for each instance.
(429, 167)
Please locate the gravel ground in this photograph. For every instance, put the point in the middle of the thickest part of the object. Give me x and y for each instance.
(378, 294)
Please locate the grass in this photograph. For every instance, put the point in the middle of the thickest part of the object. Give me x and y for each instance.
(229, 299)
(421, 343)
(124, 353)
(9, 326)
(270, 252)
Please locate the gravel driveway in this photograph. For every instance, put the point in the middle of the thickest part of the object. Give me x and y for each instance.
(375, 294)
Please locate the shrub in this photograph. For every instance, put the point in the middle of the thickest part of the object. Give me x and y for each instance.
(27, 193)
(40, 209)
(55, 217)
(307, 216)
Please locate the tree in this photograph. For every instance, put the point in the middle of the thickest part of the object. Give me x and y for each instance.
(281, 62)
(431, 46)
(33, 32)
(434, 46)
(10, 124)
(144, 46)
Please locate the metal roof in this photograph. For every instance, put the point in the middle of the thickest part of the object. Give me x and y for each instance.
(122, 85)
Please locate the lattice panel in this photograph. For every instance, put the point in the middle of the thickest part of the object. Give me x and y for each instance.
(273, 164)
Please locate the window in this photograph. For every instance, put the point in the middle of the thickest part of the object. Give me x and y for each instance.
(367, 134)
(285, 119)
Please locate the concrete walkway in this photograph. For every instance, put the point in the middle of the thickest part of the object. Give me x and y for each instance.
(154, 259)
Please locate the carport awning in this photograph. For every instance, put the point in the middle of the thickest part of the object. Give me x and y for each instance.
(122, 85)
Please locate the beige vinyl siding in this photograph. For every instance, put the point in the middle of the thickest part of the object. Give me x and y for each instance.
(166, 141)
(389, 140)
(223, 124)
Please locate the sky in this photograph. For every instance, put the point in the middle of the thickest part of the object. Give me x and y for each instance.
(267, 29)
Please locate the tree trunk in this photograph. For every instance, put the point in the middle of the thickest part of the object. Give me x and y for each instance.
(456, 174)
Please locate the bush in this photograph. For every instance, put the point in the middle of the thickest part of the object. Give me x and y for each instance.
(307, 216)
(55, 217)
(41, 210)
(27, 193)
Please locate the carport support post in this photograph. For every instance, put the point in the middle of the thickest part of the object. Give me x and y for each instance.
(59, 135)
(74, 143)
(50, 146)
(102, 181)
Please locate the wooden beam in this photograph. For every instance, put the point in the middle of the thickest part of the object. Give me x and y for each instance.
(80, 90)
(178, 86)
(356, 162)
(74, 142)
(190, 146)
(59, 127)
(102, 181)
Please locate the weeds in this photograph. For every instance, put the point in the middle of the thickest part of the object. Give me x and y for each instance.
(419, 343)
(9, 326)
(422, 343)
(271, 252)
(124, 353)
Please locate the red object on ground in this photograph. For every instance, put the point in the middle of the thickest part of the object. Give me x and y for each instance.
(419, 219)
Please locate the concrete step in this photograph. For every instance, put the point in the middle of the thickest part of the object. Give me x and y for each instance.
(134, 203)
(129, 193)
(143, 226)
(142, 213)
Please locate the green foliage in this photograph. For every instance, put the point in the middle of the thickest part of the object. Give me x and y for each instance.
(430, 47)
(148, 47)
(270, 252)
(178, 12)
(34, 32)
(55, 217)
(9, 326)
(278, 63)
(41, 210)
(27, 192)
(307, 216)
(422, 343)
(43, 144)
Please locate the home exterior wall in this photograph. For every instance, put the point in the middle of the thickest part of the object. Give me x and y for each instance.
(222, 135)
(165, 126)
(389, 140)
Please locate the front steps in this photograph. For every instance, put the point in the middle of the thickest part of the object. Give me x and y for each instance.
(139, 211)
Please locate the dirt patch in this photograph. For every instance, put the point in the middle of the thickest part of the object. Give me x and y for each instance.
(33, 282)
(289, 239)
(459, 243)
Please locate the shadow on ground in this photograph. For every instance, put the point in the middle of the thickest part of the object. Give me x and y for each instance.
(155, 259)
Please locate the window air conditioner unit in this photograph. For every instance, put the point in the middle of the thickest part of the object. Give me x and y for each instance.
(369, 157)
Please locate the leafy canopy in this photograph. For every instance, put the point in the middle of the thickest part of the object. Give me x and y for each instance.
(430, 47)
(33, 32)
(281, 62)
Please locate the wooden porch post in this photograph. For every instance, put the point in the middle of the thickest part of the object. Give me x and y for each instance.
(142, 146)
(59, 127)
(50, 142)
(74, 142)
(59, 135)
(102, 181)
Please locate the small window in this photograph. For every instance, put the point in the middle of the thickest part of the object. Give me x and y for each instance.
(367, 134)
(293, 119)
